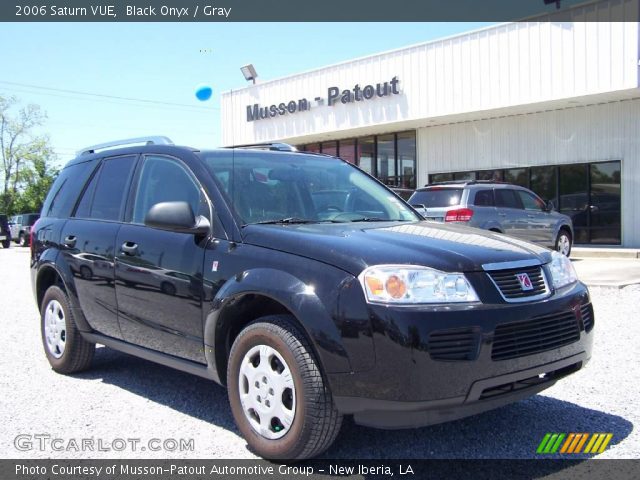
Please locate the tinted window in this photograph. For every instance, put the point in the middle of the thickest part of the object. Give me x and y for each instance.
(530, 202)
(104, 197)
(507, 198)
(164, 180)
(437, 197)
(484, 198)
(605, 203)
(65, 190)
(517, 176)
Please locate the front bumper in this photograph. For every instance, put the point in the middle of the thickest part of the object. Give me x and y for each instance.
(411, 385)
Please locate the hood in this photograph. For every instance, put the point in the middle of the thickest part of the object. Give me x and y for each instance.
(355, 246)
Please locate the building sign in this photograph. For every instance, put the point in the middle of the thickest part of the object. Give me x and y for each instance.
(333, 97)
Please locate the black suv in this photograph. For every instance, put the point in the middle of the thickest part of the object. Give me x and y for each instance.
(302, 284)
(5, 231)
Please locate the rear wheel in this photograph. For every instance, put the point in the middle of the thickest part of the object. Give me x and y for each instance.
(278, 397)
(564, 242)
(6, 243)
(22, 240)
(65, 348)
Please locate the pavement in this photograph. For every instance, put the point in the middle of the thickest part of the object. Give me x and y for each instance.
(122, 397)
(608, 272)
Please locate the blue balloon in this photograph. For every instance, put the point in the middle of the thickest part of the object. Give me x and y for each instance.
(203, 92)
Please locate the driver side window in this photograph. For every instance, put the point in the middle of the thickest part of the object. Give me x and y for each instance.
(164, 180)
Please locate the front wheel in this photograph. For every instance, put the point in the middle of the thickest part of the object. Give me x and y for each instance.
(6, 243)
(563, 243)
(65, 348)
(22, 240)
(278, 397)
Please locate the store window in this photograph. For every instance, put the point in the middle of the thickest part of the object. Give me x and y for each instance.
(517, 176)
(386, 164)
(440, 177)
(605, 204)
(348, 150)
(407, 159)
(366, 152)
(330, 148)
(312, 147)
(464, 176)
(573, 198)
(544, 182)
(490, 175)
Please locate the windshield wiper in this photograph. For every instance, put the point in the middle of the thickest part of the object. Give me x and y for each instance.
(284, 221)
(377, 219)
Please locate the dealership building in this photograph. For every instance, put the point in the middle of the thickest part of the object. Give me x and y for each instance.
(554, 106)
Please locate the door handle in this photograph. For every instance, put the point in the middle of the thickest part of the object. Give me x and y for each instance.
(70, 241)
(531, 216)
(502, 214)
(129, 248)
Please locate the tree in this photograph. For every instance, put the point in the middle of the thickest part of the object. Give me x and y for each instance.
(26, 158)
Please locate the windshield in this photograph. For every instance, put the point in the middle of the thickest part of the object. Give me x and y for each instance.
(437, 197)
(272, 187)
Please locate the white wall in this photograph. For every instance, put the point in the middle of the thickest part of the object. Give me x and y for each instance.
(609, 131)
(504, 66)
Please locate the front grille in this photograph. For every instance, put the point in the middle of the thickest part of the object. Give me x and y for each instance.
(510, 287)
(586, 311)
(454, 344)
(539, 334)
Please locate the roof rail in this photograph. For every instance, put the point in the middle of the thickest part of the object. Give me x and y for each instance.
(157, 140)
(281, 147)
(465, 182)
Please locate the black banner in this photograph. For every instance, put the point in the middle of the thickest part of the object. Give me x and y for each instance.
(318, 469)
(317, 11)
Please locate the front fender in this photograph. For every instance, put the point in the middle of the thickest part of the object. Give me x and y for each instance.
(303, 301)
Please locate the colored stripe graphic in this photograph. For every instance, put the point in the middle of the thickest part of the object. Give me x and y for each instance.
(574, 442)
(582, 442)
(543, 443)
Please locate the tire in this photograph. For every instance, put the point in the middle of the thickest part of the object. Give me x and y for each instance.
(72, 354)
(6, 243)
(564, 242)
(313, 422)
(22, 241)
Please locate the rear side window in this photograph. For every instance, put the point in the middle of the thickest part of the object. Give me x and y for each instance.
(507, 198)
(437, 197)
(104, 196)
(484, 198)
(65, 190)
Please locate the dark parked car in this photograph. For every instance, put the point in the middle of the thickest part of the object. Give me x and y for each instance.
(499, 207)
(5, 231)
(21, 227)
(304, 309)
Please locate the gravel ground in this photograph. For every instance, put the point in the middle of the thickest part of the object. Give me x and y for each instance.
(123, 397)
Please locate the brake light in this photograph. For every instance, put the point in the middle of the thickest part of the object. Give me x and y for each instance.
(459, 215)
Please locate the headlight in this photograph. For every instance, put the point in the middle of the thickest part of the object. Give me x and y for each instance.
(404, 284)
(562, 271)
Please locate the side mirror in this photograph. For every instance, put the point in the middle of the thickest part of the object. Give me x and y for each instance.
(176, 217)
(549, 206)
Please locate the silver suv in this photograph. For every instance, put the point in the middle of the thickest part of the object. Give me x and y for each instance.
(499, 207)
